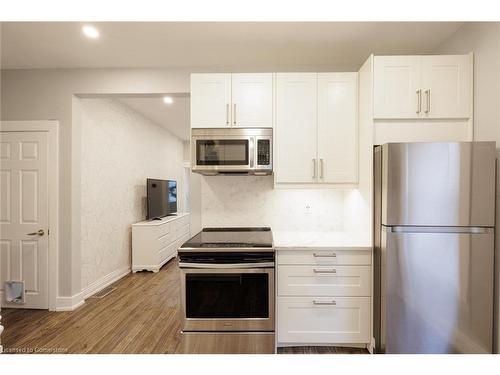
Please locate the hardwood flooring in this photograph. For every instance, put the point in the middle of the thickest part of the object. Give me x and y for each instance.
(140, 316)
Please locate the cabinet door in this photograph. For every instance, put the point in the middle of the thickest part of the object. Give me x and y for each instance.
(252, 100)
(397, 81)
(210, 100)
(337, 127)
(447, 86)
(296, 128)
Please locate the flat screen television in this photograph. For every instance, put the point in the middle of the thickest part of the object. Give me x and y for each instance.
(161, 198)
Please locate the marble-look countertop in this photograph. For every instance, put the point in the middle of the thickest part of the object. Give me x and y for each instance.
(163, 220)
(286, 240)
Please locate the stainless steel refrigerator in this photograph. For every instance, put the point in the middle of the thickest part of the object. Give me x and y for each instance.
(434, 208)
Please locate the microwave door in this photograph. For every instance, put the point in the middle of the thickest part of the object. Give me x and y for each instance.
(223, 154)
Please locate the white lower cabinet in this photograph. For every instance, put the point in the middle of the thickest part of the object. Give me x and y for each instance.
(324, 296)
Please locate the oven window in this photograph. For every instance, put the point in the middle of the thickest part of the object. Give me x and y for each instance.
(222, 152)
(227, 296)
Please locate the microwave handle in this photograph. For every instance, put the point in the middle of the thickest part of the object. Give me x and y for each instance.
(252, 152)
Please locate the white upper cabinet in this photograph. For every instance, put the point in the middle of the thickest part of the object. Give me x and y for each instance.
(316, 128)
(396, 85)
(337, 127)
(447, 86)
(210, 100)
(232, 100)
(414, 87)
(296, 128)
(252, 100)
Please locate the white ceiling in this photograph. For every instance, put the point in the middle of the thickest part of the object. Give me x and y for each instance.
(215, 46)
(173, 117)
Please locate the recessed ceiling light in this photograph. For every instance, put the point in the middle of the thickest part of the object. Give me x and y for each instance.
(90, 32)
(168, 100)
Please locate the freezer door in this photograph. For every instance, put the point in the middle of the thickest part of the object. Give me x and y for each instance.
(438, 184)
(437, 292)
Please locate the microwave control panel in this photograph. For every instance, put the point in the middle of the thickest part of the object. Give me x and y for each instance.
(263, 151)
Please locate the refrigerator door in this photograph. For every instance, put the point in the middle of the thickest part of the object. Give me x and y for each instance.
(437, 290)
(438, 184)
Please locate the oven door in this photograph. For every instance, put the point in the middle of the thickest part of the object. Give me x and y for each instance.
(227, 297)
(216, 153)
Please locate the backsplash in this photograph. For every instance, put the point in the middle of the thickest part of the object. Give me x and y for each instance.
(251, 200)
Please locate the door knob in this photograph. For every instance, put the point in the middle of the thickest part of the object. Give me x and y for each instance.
(39, 233)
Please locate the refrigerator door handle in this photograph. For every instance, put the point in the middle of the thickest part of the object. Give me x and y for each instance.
(422, 229)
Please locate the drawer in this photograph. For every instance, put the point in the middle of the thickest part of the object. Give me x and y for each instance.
(165, 240)
(323, 320)
(162, 230)
(182, 231)
(165, 252)
(324, 280)
(314, 257)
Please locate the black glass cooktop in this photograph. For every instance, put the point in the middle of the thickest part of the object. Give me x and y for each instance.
(231, 238)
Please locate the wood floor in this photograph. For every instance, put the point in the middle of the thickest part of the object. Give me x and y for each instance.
(140, 316)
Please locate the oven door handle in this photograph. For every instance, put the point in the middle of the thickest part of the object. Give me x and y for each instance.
(226, 266)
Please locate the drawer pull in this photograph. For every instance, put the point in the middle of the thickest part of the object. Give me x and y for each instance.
(316, 302)
(319, 255)
(324, 271)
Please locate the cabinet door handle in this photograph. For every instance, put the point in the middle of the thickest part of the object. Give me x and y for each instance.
(318, 302)
(324, 255)
(227, 114)
(321, 169)
(419, 101)
(314, 168)
(319, 270)
(427, 101)
(234, 114)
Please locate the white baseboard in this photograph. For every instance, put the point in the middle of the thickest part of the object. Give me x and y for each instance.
(75, 301)
(105, 281)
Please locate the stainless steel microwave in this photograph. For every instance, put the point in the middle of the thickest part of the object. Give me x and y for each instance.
(232, 151)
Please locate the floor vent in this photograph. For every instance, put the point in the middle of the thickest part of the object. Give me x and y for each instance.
(103, 292)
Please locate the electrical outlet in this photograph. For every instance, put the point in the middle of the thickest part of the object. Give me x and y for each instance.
(308, 209)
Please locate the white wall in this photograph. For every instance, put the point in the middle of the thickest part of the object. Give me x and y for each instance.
(483, 39)
(43, 94)
(120, 149)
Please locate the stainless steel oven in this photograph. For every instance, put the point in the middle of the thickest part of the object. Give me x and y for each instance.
(232, 151)
(234, 294)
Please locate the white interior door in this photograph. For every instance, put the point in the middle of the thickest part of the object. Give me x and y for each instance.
(337, 127)
(397, 81)
(252, 96)
(447, 85)
(23, 213)
(296, 128)
(211, 100)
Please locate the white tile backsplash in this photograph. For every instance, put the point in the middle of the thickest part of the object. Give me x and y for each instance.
(251, 200)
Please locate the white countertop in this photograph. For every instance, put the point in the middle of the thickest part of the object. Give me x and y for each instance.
(287, 240)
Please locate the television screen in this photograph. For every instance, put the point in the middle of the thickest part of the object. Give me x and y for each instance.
(172, 196)
(161, 198)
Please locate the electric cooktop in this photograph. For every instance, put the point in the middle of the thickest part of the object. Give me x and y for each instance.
(230, 238)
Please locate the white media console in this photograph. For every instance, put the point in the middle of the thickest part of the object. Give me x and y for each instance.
(155, 242)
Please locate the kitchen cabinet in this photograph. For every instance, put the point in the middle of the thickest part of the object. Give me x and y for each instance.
(422, 87)
(316, 128)
(337, 127)
(296, 128)
(210, 100)
(324, 296)
(223, 100)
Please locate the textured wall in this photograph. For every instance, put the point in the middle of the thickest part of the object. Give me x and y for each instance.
(120, 149)
(250, 200)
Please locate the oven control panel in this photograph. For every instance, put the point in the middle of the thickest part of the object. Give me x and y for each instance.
(263, 152)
